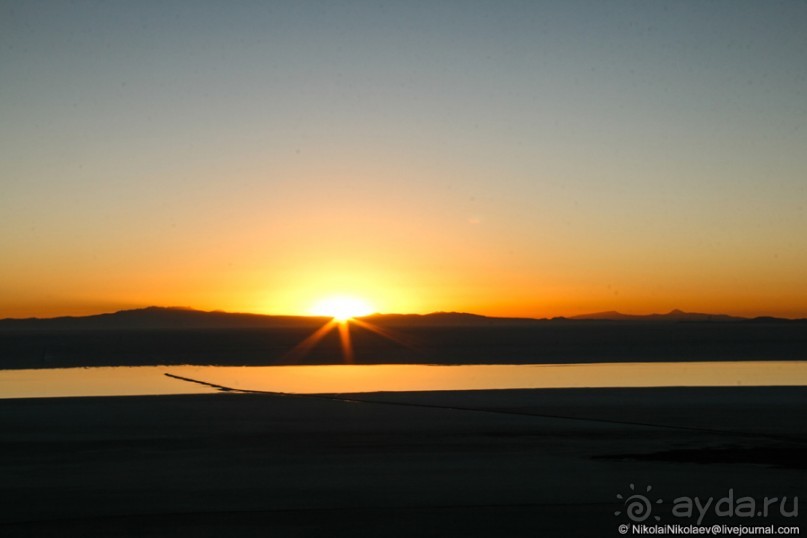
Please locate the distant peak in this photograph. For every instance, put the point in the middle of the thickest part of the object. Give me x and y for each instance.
(180, 308)
(673, 315)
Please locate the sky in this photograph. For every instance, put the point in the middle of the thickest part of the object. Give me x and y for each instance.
(508, 158)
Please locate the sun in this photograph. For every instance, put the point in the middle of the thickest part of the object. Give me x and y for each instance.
(342, 308)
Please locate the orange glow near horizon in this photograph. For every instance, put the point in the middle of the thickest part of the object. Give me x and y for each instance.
(540, 304)
(489, 282)
(405, 260)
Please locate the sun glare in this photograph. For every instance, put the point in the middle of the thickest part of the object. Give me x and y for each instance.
(342, 308)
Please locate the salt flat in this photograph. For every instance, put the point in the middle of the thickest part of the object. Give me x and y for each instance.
(469, 463)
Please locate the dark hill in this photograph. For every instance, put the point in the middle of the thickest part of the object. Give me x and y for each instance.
(171, 318)
(179, 318)
(674, 315)
(155, 318)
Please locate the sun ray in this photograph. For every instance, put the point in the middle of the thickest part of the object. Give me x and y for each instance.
(344, 311)
(301, 350)
(344, 339)
(392, 336)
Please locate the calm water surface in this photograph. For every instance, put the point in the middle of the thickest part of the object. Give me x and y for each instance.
(151, 380)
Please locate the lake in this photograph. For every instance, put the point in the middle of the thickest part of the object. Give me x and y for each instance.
(151, 380)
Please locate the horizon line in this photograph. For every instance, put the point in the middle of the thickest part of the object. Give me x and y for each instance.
(436, 312)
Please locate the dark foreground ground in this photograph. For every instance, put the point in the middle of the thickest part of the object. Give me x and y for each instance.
(486, 463)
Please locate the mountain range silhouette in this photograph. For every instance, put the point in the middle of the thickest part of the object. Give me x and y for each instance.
(156, 317)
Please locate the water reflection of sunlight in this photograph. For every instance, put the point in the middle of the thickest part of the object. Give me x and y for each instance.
(417, 377)
(405, 377)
